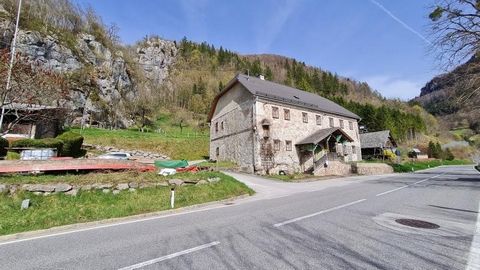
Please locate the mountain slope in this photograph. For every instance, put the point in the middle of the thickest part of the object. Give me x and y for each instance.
(455, 96)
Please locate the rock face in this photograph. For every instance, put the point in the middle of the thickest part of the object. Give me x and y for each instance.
(46, 51)
(117, 86)
(155, 56)
(453, 96)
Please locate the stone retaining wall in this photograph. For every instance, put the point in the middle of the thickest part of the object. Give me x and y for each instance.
(372, 168)
(334, 168)
(133, 153)
(68, 189)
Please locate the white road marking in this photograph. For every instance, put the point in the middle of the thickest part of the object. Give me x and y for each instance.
(112, 225)
(474, 255)
(170, 256)
(317, 213)
(402, 187)
(392, 190)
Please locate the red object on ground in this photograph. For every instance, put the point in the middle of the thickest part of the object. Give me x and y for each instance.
(19, 166)
(193, 169)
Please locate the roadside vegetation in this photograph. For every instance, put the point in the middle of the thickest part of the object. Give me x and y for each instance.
(60, 209)
(410, 166)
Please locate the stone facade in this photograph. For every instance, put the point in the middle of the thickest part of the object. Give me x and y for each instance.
(246, 130)
(231, 129)
(372, 168)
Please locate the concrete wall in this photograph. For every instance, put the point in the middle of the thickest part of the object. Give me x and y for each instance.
(295, 130)
(234, 138)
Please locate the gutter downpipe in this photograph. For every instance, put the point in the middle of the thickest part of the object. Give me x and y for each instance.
(254, 130)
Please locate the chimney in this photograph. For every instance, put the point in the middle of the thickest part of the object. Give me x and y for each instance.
(261, 77)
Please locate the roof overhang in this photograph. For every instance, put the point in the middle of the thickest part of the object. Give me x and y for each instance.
(323, 134)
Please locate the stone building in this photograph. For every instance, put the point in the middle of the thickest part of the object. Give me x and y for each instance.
(267, 127)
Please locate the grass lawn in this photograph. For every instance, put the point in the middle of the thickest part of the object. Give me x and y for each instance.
(176, 147)
(422, 165)
(59, 209)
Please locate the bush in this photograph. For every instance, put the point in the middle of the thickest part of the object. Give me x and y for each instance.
(449, 155)
(12, 156)
(72, 144)
(387, 153)
(3, 146)
(41, 143)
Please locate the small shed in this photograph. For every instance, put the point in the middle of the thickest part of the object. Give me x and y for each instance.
(374, 143)
(22, 120)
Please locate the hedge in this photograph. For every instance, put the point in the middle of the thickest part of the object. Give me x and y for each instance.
(41, 143)
(72, 144)
(3, 146)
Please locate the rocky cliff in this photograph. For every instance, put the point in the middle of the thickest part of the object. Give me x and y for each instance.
(115, 76)
(454, 96)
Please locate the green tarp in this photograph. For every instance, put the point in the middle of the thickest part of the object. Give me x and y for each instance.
(171, 163)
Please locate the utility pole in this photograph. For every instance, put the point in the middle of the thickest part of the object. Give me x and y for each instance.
(10, 67)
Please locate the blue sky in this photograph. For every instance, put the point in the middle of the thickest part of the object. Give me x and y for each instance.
(382, 42)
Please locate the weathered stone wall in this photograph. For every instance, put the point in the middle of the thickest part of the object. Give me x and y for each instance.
(72, 189)
(295, 130)
(133, 153)
(371, 168)
(234, 137)
(334, 168)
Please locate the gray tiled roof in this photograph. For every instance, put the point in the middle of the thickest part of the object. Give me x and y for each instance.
(321, 134)
(374, 139)
(290, 95)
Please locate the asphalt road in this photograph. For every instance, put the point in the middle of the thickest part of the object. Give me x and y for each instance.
(347, 223)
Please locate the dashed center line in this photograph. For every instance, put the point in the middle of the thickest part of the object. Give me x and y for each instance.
(170, 256)
(317, 213)
(392, 190)
(402, 187)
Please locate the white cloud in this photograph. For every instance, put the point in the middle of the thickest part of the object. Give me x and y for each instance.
(274, 24)
(395, 87)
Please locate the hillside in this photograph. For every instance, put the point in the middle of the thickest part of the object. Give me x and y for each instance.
(454, 96)
(116, 86)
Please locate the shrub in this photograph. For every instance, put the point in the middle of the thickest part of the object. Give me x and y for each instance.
(449, 155)
(41, 143)
(12, 156)
(3, 146)
(72, 144)
(389, 155)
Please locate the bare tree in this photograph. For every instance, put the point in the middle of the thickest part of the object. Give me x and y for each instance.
(455, 28)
